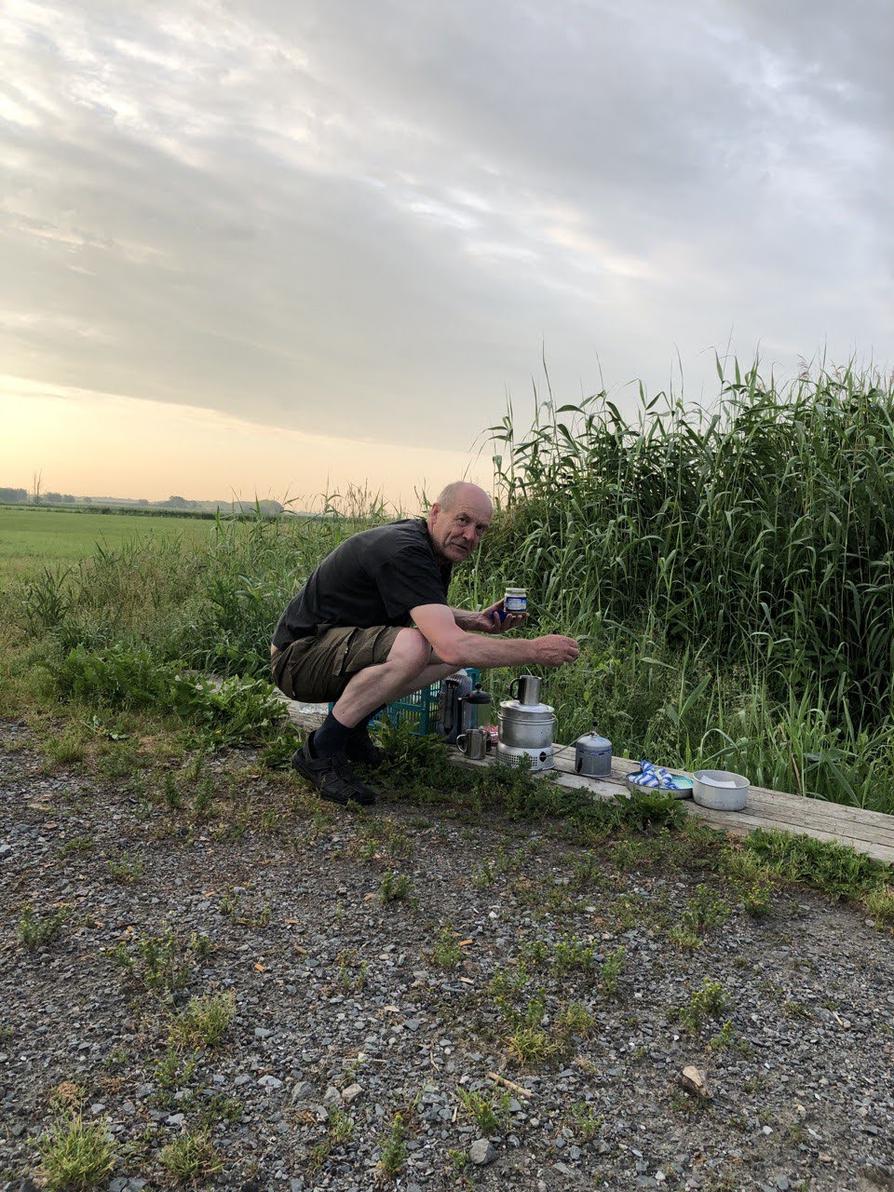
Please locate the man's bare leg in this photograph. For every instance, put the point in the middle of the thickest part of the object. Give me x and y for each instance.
(410, 665)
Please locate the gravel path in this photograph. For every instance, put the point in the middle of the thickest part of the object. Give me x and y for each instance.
(350, 1009)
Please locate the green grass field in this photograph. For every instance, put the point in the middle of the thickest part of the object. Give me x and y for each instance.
(34, 538)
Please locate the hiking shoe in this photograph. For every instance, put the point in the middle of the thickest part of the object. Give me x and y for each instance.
(333, 777)
(362, 752)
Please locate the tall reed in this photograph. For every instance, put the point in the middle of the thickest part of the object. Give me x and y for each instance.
(761, 529)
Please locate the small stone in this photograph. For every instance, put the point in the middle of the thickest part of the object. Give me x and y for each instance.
(568, 1172)
(351, 1093)
(693, 1081)
(302, 1090)
(782, 1183)
(176, 1119)
(482, 1151)
(270, 1082)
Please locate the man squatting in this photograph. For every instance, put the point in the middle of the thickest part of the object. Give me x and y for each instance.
(372, 624)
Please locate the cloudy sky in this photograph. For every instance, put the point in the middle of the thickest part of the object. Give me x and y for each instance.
(247, 246)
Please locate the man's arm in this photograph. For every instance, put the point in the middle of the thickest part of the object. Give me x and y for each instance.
(455, 646)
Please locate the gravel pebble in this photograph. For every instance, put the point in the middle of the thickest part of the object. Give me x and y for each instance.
(341, 1015)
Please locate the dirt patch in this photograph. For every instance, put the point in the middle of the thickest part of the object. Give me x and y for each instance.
(381, 967)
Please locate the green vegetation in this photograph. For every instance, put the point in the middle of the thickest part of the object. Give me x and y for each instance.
(125, 870)
(32, 539)
(611, 970)
(395, 887)
(728, 573)
(833, 868)
(190, 1157)
(705, 1003)
(754, 542)
(393, 1151)
(446, 952)
(36, 931)
(162, 964)
(203, 1022)
(489, 1112)
(76, 1154)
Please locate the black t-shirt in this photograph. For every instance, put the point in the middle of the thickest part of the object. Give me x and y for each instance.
(372, 578)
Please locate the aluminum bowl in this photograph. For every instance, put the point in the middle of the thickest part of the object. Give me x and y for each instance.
(720, 789)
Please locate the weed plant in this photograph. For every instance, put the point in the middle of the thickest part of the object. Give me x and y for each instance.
(76, 1154)
(707, 1002)
(490, 1113)
(833, 868)
(393, 1152)
(395, 887)
(36, 931)
(446, 953)
(203, 1022)
(190, 1158)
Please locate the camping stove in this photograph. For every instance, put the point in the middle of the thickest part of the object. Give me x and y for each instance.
(511, 755)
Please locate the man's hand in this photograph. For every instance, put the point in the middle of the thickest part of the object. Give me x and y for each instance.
(555, 650)
(495, 619)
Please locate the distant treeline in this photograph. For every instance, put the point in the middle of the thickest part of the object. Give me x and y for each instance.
(174, 506)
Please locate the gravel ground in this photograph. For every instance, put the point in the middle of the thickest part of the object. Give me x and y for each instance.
(344, 1017)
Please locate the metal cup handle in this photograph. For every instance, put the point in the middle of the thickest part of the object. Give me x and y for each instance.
(512, 686)
(461, 742)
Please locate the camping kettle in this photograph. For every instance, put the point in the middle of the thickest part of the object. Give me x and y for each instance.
(450, 705)
(593, 755)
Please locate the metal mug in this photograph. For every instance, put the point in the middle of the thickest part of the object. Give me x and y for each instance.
(528, 689)
(473, 744)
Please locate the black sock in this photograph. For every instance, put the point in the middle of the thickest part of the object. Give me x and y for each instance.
(330, 738)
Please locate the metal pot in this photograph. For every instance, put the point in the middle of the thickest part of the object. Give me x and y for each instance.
(593, 755)
(526, 726)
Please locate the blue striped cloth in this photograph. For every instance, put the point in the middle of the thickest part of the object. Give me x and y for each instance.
(652, 775)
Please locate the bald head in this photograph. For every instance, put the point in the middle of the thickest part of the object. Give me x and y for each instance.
(457, 519)
(458, 492)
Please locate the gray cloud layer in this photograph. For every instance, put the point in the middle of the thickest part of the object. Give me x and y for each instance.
(362, 219)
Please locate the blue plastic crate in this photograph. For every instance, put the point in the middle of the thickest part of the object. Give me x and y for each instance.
(420, 708)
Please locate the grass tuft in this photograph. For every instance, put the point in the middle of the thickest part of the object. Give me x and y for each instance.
(203, 1022)
(76, 1154)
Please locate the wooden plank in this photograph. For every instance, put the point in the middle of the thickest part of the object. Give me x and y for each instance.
(875, 827)
(869, 832)
(739, 823)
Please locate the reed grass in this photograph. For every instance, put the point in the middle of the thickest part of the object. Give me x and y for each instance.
(729, 572)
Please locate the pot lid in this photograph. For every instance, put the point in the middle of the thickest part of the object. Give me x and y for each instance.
(593, 741)
(513, 706)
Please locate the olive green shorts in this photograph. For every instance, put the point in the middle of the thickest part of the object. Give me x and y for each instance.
(319, 668)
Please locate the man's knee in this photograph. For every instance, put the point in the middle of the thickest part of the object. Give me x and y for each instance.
(411, 651)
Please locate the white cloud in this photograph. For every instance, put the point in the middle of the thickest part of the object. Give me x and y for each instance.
(282, 210)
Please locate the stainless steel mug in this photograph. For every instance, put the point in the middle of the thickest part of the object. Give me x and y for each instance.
(473, 744)
(528, 689)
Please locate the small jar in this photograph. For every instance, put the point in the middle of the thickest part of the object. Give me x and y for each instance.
(515, 600)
